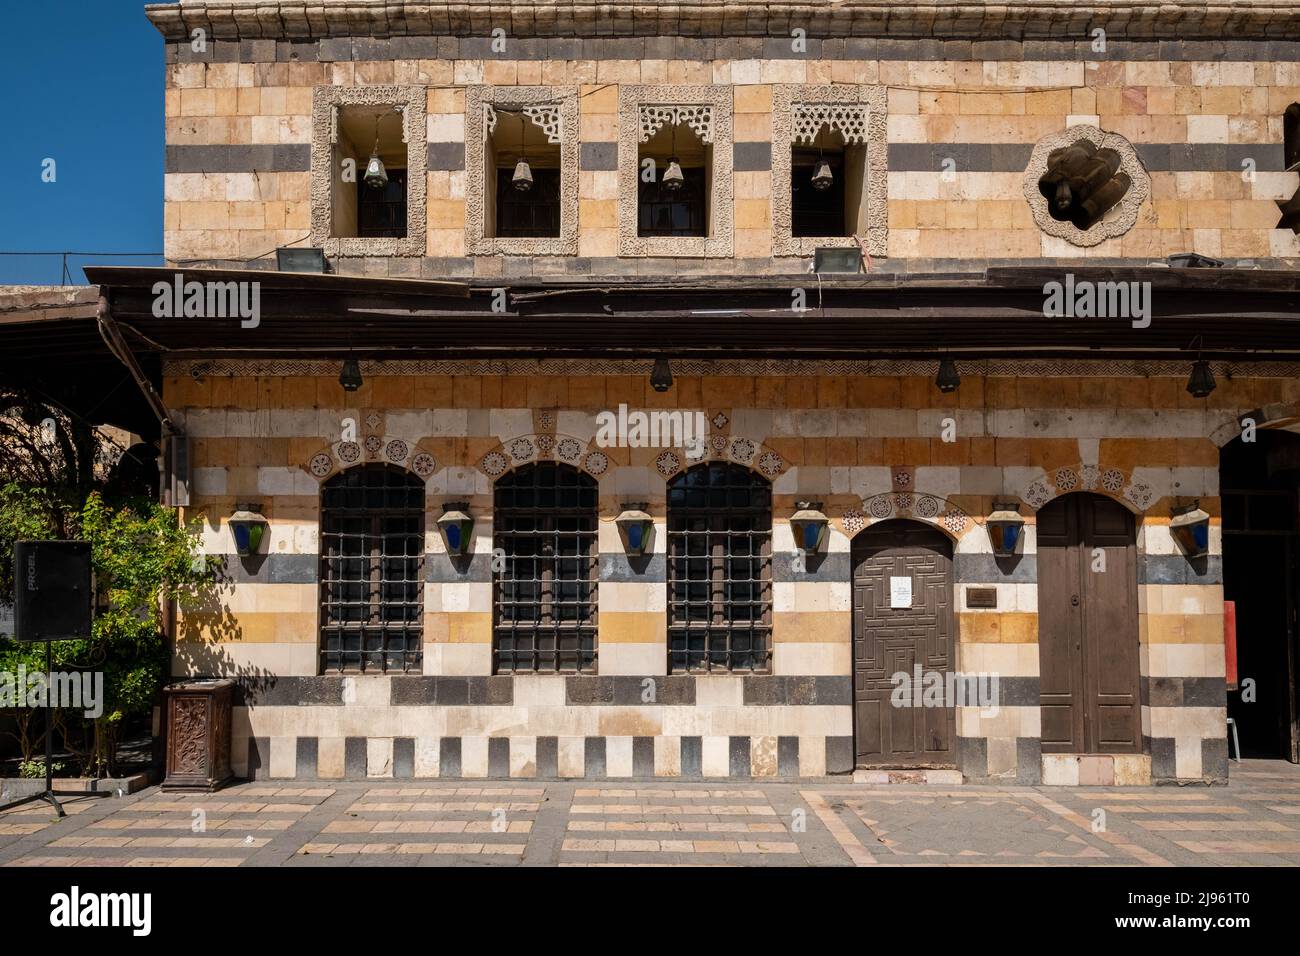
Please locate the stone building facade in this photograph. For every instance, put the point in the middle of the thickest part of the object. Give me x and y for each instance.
(943, 129)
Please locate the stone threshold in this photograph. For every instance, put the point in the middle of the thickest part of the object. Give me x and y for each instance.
(1097, 770)
(944, 778)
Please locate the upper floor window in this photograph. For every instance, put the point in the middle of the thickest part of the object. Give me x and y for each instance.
(521, 161)
(675, 171)
(828, 169)
(371, 571)
(544, 522)
(369, 185)
(673, 189)
(719, 569)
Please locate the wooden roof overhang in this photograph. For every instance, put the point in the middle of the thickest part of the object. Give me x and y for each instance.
(1237, 314)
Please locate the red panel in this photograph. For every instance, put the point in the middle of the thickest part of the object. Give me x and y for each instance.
(1230, 642)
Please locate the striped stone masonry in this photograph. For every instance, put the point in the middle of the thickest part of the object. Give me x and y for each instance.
(960, 125)
(866, 447)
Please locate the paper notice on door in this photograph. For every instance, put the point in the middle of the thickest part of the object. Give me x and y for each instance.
(900, 592)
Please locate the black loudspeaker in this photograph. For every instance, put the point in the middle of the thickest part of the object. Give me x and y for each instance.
(53, 592)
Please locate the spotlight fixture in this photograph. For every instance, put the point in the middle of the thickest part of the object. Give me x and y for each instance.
(661, 376)
(350, 376)
(948, 379)
(1201, 382)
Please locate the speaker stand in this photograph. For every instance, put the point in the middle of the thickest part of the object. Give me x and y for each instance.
(50, 794)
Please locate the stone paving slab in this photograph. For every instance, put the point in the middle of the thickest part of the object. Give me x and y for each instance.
(1254, 821)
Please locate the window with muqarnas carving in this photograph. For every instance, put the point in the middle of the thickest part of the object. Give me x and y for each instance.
(544, 598)
(719, 570)
(371, 571)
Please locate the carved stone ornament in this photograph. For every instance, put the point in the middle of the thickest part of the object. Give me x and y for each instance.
(552, 109)
(326, 102)
(706, 110)
(1119, 219)
(859, 114)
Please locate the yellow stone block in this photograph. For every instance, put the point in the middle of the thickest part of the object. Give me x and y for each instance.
(598, 214)
(753, 214)
(632, 627)
(817, 627)
(752, 99)
(594, 99)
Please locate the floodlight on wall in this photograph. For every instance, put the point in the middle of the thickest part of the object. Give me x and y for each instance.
(1004, 526)
(809, 525)
(456, 525)
(1190, 527)
(300, 259)
(948, 379)
(247, 528)
(831, 260)
(635, 527)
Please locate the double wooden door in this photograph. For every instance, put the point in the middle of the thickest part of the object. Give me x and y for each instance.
(902, 619)
(1088, 627)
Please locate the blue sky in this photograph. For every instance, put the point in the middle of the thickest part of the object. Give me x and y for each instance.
(83, 85)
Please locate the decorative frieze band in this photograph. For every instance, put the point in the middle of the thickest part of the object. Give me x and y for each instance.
(1100, 368)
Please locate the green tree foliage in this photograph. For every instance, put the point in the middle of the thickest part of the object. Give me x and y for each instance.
(142, 557)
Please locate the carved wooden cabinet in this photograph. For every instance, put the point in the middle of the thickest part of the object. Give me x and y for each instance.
(198, 735)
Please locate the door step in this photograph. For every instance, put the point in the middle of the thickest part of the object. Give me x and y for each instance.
(945, 778)
(1097, 770)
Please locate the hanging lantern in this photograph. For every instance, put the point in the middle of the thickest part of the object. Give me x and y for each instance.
(456, 524)
(523, 177)
(376, 175)
(809, 526)
(822, 176)
(661, 376)
(1004, 526)
(635, 527)
(247, 527)
(1201, 382)
(1191, 529)
(948, 378)
(673, 179)
(350, 376)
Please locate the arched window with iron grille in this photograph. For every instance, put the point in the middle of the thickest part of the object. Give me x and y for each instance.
(719, 570)
(371, 571)
(544, 596)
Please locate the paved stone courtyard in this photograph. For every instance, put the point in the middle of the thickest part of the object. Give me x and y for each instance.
(1254, 821)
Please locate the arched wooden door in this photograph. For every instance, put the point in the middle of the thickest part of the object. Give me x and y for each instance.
(902, 624)
(1088, 626)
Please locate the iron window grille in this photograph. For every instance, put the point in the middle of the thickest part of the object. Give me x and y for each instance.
(532, 214)
(663, 212)
(719, 569)
(544, 597)
(371, 577)
(381, 213)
